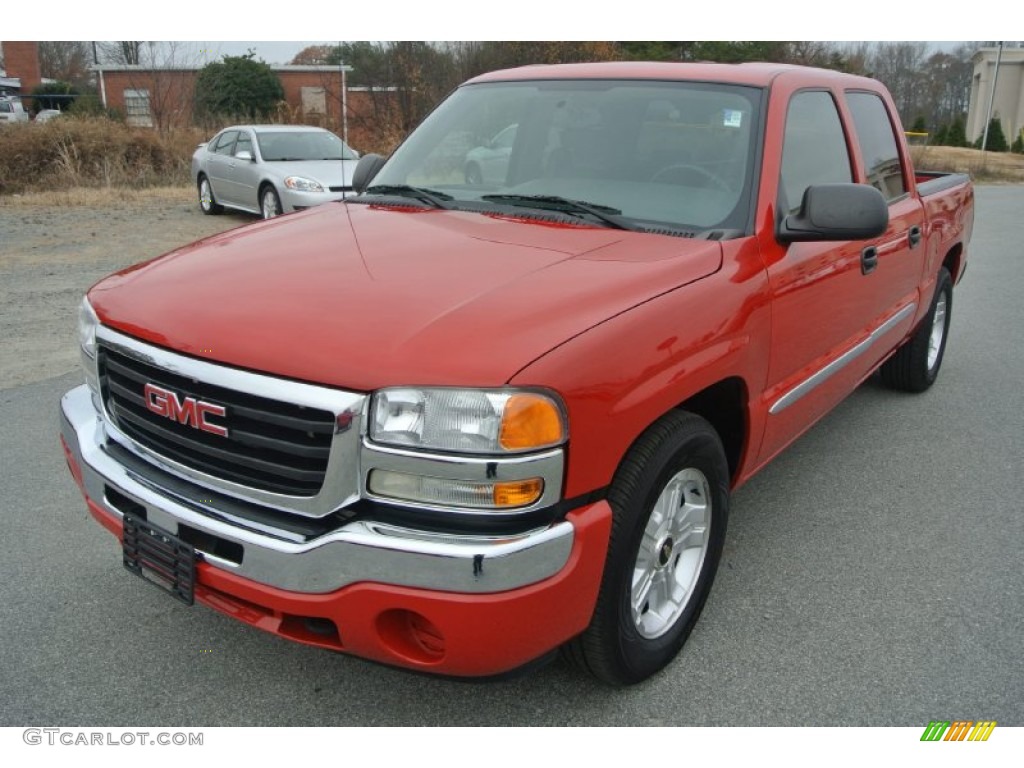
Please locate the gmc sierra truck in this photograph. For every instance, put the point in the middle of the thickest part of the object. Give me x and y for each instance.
(473, 416)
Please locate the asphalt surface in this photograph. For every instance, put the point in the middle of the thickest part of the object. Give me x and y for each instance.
(872, 576)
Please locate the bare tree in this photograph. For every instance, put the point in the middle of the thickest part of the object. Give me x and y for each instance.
(122, 52)
(900, 65)
(66, 61)
(163, 78)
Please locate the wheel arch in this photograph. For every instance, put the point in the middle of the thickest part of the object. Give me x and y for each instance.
(724, 406)
(953, 261)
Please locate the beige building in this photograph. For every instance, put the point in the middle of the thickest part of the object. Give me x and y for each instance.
(1009, 101)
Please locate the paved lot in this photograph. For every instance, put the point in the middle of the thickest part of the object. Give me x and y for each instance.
(872, 576)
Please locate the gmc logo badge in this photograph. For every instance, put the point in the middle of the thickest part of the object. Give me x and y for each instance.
(188, 411)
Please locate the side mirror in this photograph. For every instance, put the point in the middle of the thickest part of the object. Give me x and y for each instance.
(366, 169)
(245, 155)
(836, 212)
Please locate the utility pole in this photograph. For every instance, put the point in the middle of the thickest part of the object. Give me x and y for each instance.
(992, 97)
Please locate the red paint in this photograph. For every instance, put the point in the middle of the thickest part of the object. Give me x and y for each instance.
(483, 634)
(624, 326)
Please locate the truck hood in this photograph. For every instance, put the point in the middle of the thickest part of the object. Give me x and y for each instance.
(360, 297)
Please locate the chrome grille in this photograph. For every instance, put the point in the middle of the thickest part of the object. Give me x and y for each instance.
(271, 445)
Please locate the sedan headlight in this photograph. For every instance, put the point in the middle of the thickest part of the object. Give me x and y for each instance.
(467, 420)
(87, 325)
(302, 184)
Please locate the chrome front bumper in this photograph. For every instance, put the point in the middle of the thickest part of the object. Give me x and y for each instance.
(359, 551)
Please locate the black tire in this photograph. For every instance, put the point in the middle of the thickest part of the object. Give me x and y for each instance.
(270, 202)
(622, 646)
(915, 366)
(474, 176)
(207, 203)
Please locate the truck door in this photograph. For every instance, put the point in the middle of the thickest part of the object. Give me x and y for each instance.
(899, 253)
(828, 298)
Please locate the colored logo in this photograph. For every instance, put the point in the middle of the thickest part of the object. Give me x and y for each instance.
(959, 730)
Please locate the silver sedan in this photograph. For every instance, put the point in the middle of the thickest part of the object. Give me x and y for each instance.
(272, 169)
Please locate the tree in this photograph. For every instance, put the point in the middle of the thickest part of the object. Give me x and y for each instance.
(122, 52)
(237, 86)
(996, 140)
(919, 125)
(314, 54)
(67, 61)
(1018, 143)
(61, 96)
(957, 135)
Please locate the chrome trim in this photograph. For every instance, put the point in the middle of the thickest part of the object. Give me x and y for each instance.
(341, 481)
(820, 377)
(357, 551)
(548, 466)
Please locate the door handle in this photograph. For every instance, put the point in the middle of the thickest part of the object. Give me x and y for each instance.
(914, 236)
(868, 260)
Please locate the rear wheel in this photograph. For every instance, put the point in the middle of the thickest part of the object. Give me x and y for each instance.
(915, 366)
(670, 501)
(207, 204)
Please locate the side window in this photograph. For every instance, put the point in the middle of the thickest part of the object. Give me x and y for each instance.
(814, 147)
(244, 143)
(225, 142)
(877, 144)
(136, 107)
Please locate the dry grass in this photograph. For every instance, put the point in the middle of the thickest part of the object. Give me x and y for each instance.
(99, 196)
(92, 152)
(1004, 167)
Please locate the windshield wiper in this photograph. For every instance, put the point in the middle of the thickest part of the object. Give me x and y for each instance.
(430, 196)
(603, 213)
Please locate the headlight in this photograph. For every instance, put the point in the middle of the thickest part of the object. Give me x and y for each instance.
(467, 420)
(87, 324)
(301, 184)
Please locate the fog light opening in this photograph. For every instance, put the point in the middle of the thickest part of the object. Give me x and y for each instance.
(411, 636)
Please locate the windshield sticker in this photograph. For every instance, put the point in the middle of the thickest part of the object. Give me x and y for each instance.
(732, 118)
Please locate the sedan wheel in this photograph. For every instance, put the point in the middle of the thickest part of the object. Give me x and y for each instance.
(207, 204)
(270, 203)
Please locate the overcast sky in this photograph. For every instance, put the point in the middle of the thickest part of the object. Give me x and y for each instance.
(471, 20)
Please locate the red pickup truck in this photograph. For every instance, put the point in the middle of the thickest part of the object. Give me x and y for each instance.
(475, 415)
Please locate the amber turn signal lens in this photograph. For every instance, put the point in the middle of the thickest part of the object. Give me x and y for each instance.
(520, 493)
(530, 421)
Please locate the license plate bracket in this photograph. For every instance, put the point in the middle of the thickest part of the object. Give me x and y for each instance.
(159, 557)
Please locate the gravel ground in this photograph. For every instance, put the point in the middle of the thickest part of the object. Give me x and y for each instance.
(49, 256)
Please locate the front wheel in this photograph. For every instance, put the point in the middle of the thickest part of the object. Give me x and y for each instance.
(670, 504)
(270, 203)
(915, 366)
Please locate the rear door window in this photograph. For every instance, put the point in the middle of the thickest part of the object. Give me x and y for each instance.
(877, 143)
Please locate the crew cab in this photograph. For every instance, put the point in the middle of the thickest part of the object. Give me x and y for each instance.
(460, 421)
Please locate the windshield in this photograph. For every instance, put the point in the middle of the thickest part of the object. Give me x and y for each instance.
(674, 153)
(302, 145)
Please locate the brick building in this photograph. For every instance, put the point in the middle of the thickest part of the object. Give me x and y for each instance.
(21, 63)
(164, 97)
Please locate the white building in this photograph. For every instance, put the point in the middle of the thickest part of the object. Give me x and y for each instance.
(1009, 102)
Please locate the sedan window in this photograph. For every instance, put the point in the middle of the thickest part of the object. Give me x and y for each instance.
(225, 143)
(244, 144)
